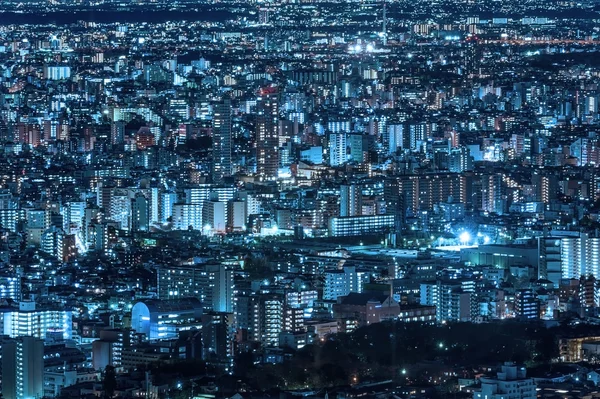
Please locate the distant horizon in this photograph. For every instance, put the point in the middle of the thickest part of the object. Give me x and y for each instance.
(14, 12)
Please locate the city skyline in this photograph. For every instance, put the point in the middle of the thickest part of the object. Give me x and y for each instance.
(234, 199)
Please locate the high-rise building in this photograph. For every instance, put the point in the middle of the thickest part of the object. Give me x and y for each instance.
(343, 282)
(29, 133)
(22, 368)
(453, 299)
(472, 55)
(580, 256)
(108, 349)
(165, 208)
(217, 337)
(460, 160)
(57, 72)
(422, 192)
(186, 216)
(140, 213)
(53, 242)
(222, 141)
(493, 193)
(397, 137)
(350, 200)
(10, 287)
(549, 267)
(214, 216)
(117, 132)
(211, 283)
(267, 128)
(236, 215)
(40, 323)
(337, 149)
(527, 305)
(359, 147)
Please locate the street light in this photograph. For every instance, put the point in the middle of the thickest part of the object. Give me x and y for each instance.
(465, 237)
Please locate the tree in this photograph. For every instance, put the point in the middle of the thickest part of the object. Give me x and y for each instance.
(109, 383)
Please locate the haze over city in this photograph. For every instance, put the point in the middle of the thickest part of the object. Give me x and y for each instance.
(319, 199)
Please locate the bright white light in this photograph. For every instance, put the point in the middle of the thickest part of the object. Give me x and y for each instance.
(358, 48)
(370, 48)
(141, 40)
(486, 240)
(465, 237)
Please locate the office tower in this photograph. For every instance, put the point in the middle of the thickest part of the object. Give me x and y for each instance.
(22, 368)
(267, 139)
(201, 193)
(222, 141)
(140, 213)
